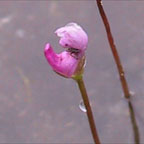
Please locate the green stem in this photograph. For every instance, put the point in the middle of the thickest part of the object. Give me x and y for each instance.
(120, 69)
(82, 88)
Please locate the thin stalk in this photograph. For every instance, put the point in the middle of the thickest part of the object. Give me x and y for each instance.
(83, 91)
(120, 70)
(133, 121)
(114, 50)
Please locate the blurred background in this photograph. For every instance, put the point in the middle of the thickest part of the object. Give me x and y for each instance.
(38, 106)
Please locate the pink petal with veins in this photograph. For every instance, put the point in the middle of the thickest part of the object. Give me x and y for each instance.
(72, 36)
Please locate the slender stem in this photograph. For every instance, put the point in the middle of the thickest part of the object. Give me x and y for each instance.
(82, 88)
(120, 70)
(114, 50)
(133, 121)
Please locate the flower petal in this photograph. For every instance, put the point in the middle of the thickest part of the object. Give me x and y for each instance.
(63, 63)
(72, 36)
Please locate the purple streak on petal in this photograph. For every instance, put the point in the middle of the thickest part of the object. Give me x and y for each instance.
(63, 63)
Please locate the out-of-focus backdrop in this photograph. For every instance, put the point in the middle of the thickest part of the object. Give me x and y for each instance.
(36, 105)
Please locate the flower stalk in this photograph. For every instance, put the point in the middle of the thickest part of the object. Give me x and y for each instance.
(134, 124)
(83, 91)
(120, 71)
(114, 50)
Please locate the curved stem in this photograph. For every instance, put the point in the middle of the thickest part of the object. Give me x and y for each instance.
(120, 70)
(82, 88)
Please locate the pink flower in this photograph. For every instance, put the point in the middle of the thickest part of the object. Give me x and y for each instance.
(70, 61)
(72, 36)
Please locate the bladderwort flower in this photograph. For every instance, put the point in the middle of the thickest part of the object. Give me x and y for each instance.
(70, 62)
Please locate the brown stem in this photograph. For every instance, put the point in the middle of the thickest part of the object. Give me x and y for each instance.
(120, 70)
(82, 88)
(114, 50)
(133, 121)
